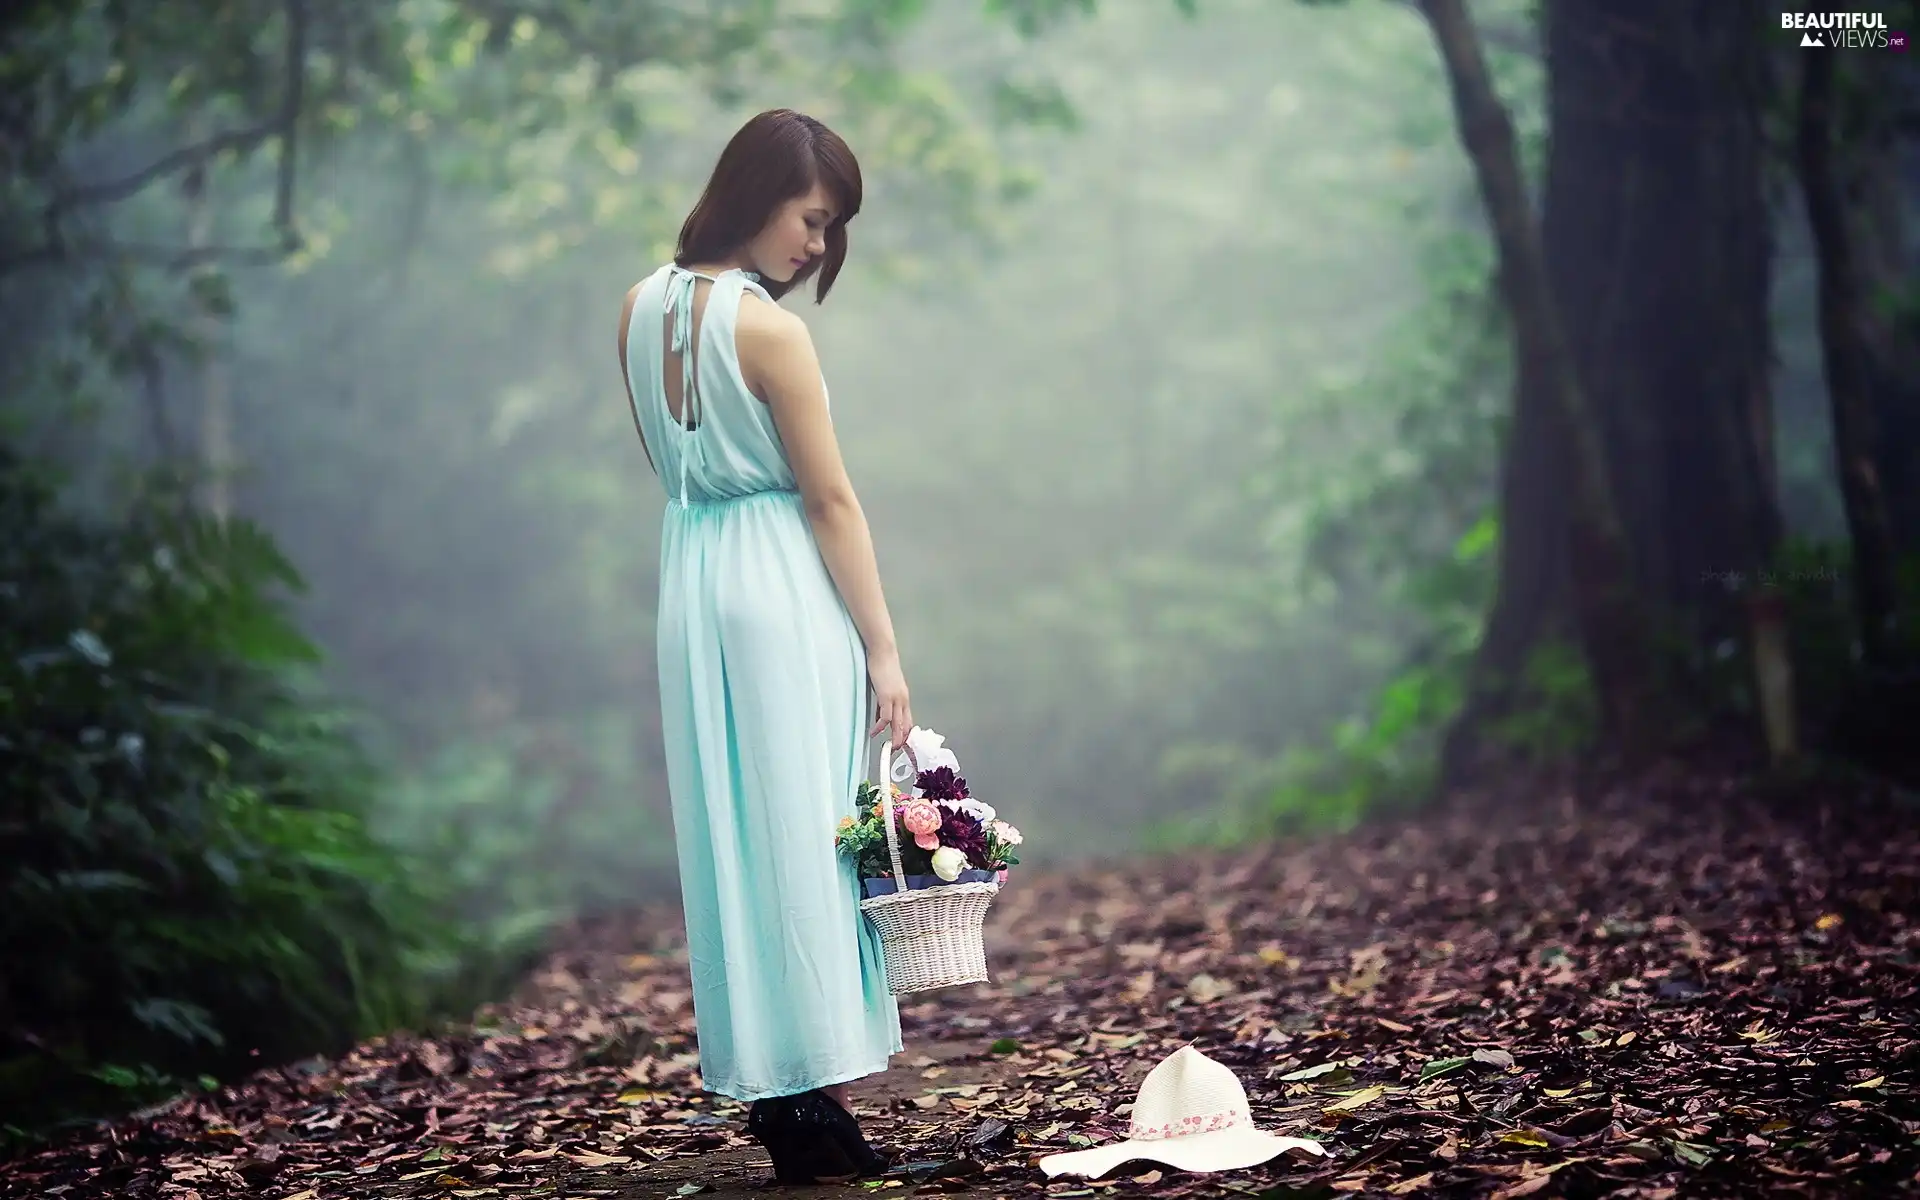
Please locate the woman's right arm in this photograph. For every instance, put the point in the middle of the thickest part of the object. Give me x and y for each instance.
(778, 360)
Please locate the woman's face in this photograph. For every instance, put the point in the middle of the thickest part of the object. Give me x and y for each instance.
(795, 236)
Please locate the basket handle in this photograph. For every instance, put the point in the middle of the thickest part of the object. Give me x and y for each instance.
(886, 804)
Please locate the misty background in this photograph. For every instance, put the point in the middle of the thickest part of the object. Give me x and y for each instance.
(1168, 363)
(1096, 374)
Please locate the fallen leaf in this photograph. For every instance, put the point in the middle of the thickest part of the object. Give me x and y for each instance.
(1434, 1068)
(590, 1158)
(1692, 1155)
(1360, 1098)
(1305, 1073)
(1521, 1137)
(1274, 956)
(1204, 989)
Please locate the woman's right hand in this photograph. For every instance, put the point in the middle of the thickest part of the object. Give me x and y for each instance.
(890, 707)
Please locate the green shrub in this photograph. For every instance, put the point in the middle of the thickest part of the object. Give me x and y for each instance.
(190, 885)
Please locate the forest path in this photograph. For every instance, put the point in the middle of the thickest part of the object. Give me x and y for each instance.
(1672, 989)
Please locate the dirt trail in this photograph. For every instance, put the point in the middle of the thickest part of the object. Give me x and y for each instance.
(883, 1104)
(1673, 990)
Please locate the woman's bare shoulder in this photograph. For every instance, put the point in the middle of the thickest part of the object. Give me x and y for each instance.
(773, 344)
(764, 319)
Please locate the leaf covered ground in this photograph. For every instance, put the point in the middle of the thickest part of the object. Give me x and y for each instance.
(1668, 989)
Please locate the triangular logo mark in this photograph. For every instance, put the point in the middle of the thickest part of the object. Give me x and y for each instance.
(1812, 39)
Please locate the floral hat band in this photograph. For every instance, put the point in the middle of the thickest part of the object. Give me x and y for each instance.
(1186, 1125)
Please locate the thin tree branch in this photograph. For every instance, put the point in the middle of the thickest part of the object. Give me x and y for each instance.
(185, 158)
(283, 127)
(290, 120)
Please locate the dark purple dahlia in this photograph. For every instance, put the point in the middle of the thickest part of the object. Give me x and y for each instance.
(942, 783)
(965, 834)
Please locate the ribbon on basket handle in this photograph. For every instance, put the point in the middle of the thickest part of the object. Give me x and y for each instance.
(886, 804)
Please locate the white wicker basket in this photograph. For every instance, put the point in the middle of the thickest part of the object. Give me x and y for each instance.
(930, 938)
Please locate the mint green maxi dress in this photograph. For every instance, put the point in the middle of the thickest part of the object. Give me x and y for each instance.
(763, 706)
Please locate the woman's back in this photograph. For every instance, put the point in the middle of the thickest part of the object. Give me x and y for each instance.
(683, 340)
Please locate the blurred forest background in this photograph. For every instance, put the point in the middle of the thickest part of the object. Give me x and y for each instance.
(1219, 493)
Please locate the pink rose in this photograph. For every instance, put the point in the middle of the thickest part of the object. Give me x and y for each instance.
(920, 816)
(922, 819)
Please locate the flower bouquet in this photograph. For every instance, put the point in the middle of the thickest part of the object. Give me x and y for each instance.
(944, 835)
(930, 858)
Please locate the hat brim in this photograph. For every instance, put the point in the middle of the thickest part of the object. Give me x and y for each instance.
(1221, 1150)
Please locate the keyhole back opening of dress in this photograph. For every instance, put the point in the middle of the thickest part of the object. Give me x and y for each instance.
(687, 416)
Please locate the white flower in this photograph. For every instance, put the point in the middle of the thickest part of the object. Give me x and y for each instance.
(948, 862)
(930, 750)
(1006, 833)
(979, 810)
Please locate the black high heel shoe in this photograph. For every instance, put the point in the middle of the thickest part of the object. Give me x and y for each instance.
(804, 1141)
(853, 1143)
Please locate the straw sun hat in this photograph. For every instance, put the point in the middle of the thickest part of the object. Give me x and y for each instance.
(1190, 1113)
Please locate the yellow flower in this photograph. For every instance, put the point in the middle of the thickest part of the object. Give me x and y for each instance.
(846, 822)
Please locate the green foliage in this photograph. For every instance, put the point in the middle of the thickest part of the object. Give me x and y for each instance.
(191, 885)
(522, 830)
(865, 840)
(1409, 520)
(1412, 520)
(1555, 713)
(1814, 579)
(1384, 757)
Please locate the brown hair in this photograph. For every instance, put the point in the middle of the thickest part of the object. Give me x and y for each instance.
(775, 157)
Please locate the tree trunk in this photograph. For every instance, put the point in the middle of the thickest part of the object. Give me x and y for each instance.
(1533, 602)
(1657, 221)
(1848, 364)
(1883, 168)
(216, 421)
(1612, 630)
(1654, 234)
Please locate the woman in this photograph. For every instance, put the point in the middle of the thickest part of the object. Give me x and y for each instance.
(771, 628)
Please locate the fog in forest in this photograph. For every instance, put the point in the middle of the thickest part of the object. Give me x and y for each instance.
(1165, 363)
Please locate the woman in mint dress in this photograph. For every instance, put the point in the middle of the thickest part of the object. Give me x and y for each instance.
(776, 652)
